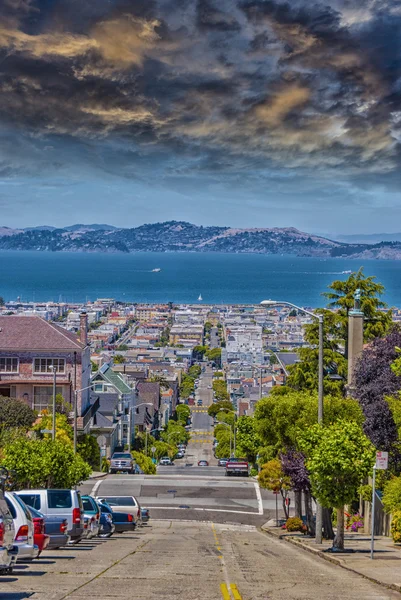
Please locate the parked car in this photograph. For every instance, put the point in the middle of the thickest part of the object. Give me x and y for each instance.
(24, 530)
(40, 537)
(165, 461)
(55, 527)
(60, 503)
(145, 515)
(125, 504)
(203, 463)
(107, 527)
(122, 461)
(122, 521)
(8, 551)
(180, 454)
(92, 512)
(222, 462)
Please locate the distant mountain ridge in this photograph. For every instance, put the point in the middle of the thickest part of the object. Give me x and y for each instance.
(180, 236)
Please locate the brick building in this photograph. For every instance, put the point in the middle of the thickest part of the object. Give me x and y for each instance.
(30, 349)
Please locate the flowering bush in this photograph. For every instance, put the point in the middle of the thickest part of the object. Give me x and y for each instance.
(396, 527)
(354, 522)
(294, 524)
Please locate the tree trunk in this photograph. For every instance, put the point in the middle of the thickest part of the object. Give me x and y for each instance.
(328, 532)
(309, 513)
(338, 542)
(286, 508)
(298, 503)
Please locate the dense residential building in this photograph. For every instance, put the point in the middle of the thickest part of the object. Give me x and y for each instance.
(32, 350)
(243, 343)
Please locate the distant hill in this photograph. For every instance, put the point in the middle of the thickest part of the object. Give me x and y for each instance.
(372, 238)
(180, 236)
(79, 227)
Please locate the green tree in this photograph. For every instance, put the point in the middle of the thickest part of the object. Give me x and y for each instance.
(220, 390)
(392, 495)
(119, 359)
(248, 441)
(183, 413)
(64, 431)
(175, 434)
(94, 366)
(339, 457)
(224, 438)
(279, 419)
(198, 352)
(217, 407)
(341, 297)
(45, 463)
(15, 413)
(123, 347)
(214, 355)
(144, 462)
(272, 477)
(88, 449)
(194, 371)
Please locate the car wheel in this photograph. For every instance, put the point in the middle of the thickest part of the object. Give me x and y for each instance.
(105, 535)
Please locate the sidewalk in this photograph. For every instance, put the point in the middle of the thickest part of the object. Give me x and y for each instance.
(384, 569)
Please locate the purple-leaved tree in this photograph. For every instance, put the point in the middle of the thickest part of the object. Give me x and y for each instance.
(374, 380)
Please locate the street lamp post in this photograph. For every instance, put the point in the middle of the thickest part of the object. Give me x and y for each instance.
(54, 403)
(146, 438)
(319, 515)
(235, 418)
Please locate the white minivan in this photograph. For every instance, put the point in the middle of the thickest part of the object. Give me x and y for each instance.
(60, 503)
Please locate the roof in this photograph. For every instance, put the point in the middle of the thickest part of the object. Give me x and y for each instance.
(148, 391)
(115, 378)
(34, 333)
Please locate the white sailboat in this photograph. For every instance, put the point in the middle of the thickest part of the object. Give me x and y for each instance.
(200, 298)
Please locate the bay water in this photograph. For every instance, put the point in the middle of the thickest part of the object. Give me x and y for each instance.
(218, 278)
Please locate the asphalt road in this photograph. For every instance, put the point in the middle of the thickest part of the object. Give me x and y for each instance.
(178, 560)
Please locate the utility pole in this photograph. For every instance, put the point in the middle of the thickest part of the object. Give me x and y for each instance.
(54, 403)
(319, 508)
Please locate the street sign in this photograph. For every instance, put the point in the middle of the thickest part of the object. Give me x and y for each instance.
(381, 460)
(153, 449)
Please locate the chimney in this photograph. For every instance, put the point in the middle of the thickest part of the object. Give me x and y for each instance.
(83, 324)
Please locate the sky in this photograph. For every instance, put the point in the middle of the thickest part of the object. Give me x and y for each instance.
(245, 113)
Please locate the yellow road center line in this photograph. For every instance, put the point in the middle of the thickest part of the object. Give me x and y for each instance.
(224, 591)
(235, 592)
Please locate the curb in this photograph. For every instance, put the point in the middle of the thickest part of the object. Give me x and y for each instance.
(102, 476)
(330, 558)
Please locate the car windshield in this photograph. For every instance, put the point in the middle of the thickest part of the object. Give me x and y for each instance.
(121, 455)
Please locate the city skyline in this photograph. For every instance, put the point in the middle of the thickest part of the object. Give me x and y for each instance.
(242, 113)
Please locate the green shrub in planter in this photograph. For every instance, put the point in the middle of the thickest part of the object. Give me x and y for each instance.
(294, 524)
(396, 527)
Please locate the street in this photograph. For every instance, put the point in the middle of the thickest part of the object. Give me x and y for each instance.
(203, 542)
(186, 560)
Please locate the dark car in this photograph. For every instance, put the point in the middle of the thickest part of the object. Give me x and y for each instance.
(222, 462)
(107, 527)
(122, 521)
(203, 463)
(55, 527)
(145, 515)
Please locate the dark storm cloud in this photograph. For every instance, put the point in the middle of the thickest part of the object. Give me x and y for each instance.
(211, 86)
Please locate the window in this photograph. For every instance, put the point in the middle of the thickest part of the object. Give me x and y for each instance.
(59, 499)
(43, 397)
(45, 365)
(9, 365)
(31, 500)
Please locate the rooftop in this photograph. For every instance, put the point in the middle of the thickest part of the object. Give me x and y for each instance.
(34, 333)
